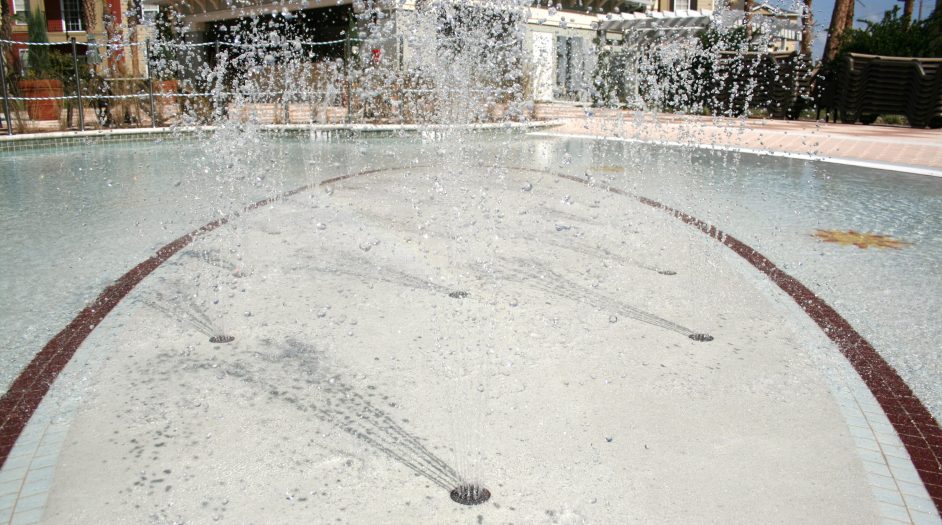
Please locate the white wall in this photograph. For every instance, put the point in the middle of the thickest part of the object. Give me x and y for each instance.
(543, 62)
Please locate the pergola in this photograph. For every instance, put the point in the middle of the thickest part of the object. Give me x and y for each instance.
(604, 6)
(641, 29)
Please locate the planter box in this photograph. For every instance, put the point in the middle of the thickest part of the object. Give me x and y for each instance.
(42, 109)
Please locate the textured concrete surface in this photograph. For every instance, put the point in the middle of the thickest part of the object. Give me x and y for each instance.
(362, 385)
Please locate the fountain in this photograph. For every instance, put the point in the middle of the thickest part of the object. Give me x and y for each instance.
(370, 269)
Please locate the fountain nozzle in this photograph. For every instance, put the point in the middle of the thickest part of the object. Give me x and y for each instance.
(470, 494)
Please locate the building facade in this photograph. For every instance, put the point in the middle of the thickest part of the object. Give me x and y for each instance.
(561, 42)
(96, 21)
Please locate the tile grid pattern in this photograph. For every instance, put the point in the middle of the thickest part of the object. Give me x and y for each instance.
(920, 433)
(312, 131)
(900, 493)
(39, 142)
(69, 142)
(27, 475)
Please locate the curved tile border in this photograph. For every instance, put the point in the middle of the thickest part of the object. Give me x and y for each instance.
(917, 430)
(23, 397)
(20, 401)
(61, 139)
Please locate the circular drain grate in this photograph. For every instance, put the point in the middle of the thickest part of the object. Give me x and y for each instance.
(667, 272)
(221, 339)
(701, 337)
(470, 495)
(459, 294)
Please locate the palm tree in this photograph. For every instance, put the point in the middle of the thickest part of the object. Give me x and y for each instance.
(6, 24)
(806, 30)
(842, 18)
(134, 19)
(907, 13)
(88, 15)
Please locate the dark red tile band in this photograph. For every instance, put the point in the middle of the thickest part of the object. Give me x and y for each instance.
(28, 389)
(918, 430)
(31, 385)
(902, 407)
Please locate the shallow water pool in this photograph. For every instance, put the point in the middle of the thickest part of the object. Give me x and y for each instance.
(76, 219)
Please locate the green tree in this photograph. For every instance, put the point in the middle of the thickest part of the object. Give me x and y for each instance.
(39, 62)
(894, 35)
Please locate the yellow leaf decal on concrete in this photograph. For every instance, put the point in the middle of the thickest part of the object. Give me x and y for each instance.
(860, 240)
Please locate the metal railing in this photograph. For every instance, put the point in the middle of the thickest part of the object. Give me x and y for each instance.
(342, 96)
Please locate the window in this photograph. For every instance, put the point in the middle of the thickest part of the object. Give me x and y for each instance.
(72, 15)
(150, 15)
(20, 7)
(570, 67)
(24, 60)
(681, 5)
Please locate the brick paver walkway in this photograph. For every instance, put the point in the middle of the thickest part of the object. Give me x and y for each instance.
(920, 148)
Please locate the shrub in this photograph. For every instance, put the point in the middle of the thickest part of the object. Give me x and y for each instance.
(891, 37)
